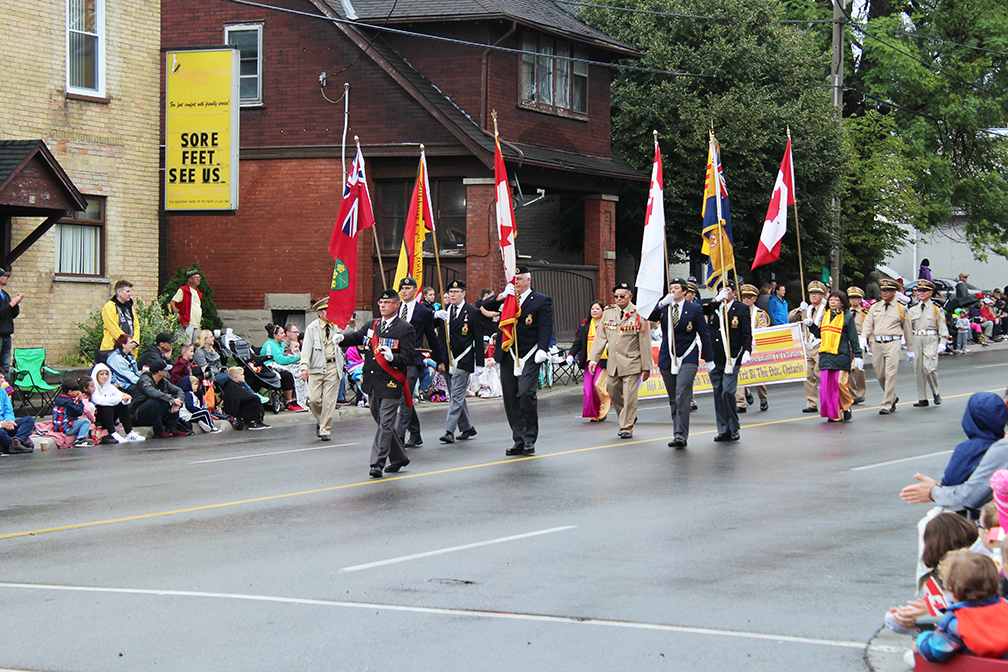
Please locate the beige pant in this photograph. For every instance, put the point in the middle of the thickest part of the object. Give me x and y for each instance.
(812, 378)
(323, 390)
(623, 392)
(858, 387)
(926, 364)
(740, 394)
(885, 360)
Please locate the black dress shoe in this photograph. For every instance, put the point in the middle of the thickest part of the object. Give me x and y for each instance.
(858, 401)
(448, 438)
(923, 403)
(894, 404)
(749, 398)
(625, 435)
(325, 437)
(394, 468)
(734, 436)
(693, 407)
(528, 449)
(846, 415)
(376, 472)
(516, 449)
(810, 409)
(677, 443)
(937, 399)
(318, 431)
(740, 409)
(722, 437)
(831, 420)
(764, 406)
(414, 442)
(468, 434)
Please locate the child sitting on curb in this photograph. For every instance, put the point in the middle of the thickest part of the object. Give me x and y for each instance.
(67, 411)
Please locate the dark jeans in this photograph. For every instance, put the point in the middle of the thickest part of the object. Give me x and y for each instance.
(107, 416)
(157, 414)
(22, 433)
(5, 356)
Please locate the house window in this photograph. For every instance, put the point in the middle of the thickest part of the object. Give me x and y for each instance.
(390, 213)
(451, 217)
(391, 200)
(552, 79)
(80, 241)
(248, 39)
(86, 47)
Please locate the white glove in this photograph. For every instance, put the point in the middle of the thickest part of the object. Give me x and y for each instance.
(746, 358)
(710, 366)
(541, 356)
(386, 352)
(859, 364)
(803, 305)
(337, 337)
(570, 360)
(441, 315)
(722, 295)
(808, 321)
(667, 300)
(479, 370)
(911, 355)
(509, 290)
(863, 342)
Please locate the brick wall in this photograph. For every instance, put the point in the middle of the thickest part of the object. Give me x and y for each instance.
(600, 238)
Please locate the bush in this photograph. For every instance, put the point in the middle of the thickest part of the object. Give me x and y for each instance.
(210, 320)
(153, 320)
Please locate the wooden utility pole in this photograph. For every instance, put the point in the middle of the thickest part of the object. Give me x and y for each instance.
(837, 77)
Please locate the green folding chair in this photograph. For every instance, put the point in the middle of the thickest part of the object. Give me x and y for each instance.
(27, 370)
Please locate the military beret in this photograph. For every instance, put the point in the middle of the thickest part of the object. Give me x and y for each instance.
(456, 284)
(321, 304)
(855, 291)
(679, 281)
(888, 285)
(749, 290)
(407, 281)
(817, 286)
(622, 285)
(925, 286)
(522, 270)
(391, 293)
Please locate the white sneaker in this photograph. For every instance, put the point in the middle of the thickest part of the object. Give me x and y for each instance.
(133, 436)
(119, 437)
(83, 442)
(205, 426)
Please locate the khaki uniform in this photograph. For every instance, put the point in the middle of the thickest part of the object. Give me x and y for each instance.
(883, 326)
(627, 335)
(856, 382)
(760, 319)
(930, 331)
(812, 343)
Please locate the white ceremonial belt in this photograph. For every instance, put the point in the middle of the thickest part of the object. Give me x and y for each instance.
(677, 361)
(452, 368)
(926, 332)
(886, 339)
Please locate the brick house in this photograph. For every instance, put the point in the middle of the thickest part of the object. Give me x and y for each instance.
(78, 120)
(434, 82)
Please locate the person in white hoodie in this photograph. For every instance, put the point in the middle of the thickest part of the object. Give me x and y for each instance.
(111, 404)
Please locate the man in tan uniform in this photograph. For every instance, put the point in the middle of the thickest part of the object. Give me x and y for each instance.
(759, 319)
(886, 321)
(930, 333)
(322, 367)
(856, 381)
(628, 338)
(808, 314)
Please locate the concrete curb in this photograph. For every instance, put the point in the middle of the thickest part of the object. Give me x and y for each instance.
(885, 651)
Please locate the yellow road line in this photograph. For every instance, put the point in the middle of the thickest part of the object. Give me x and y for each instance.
(301, 493)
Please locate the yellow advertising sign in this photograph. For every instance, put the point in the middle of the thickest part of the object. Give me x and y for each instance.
(201, 129)
(778, 356)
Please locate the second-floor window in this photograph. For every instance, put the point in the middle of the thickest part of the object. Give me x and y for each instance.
(86, 47)
(390, 199)
(80, 241)
(248, 39)
(550, 80)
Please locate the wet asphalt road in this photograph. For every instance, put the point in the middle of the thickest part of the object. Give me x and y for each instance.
(269, 550)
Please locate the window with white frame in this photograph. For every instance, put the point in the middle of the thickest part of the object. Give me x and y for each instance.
(554, 75)
(80, 241)
(86, 47)
(248, 39)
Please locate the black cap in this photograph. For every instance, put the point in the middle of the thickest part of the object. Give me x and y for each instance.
(164, 337)
(5, 271)
(679, 281)
(391, 293)
(157, 365)
(620, 286)
(522, 270)
(456, 284)
(407, 281)
(191, 272)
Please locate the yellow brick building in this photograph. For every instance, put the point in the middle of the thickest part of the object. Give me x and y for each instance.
(84, 77)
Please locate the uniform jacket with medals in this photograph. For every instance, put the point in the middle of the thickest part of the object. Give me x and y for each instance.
(400, 338)
(691, 324)
(422, 321)
(535, 324)
(466, 332)
(739, 328)
(628, 338)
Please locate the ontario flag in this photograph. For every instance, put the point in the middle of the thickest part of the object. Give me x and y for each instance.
(419, 220)
(718, 244)
(506, 236)
(775, 223)
(355, 213)
(651, 275)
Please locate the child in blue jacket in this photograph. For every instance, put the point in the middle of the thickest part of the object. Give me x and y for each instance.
(67, 411)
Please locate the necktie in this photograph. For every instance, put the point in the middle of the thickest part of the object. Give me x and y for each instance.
(402, 313)
(384, 326)
(675, 316)
(453, 313)
(621, 315)
(328, 332)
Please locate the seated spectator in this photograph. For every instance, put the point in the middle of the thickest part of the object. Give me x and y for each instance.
(977, 621)
(87, 387)
(160, 350)
(983, 423)
(125, 371)
(68, 412)
(194, 406)
(182, 368)
(156, 402)
(286, 366)
(208, 360)
(292, 347)
(990, 323)
(111, 405)
(242, 403)
(355, 374)
(15, 436)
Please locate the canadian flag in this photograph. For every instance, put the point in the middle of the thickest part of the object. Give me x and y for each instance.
(775, 224)
(651, 275)
(506, 235)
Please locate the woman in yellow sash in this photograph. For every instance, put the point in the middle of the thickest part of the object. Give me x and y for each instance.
(596, 397)
(839, 344)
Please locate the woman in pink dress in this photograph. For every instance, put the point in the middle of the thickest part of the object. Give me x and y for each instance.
(596, 398)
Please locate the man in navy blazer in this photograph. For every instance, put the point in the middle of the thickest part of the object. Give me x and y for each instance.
(724, 309)
(421, 317)
(679, 356)
(533, 333)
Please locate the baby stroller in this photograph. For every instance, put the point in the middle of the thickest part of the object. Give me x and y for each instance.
(261, 378)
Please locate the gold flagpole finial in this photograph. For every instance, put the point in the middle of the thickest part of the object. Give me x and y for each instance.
(356, 140)
(655, 135)
(421, 147)
(493, 115)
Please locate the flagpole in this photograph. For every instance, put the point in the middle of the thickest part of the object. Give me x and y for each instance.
(667, 275)
(346, 122)
(374, 232)
(437, 262)
(729, 365)
(801, 266)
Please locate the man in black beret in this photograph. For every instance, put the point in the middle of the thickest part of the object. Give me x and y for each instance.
(421, 318)
(461, 334)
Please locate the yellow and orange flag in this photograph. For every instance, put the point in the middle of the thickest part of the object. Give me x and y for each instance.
(419, 220)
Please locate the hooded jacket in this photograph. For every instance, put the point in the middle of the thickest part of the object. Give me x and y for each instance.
(107, 394)
(983, 421)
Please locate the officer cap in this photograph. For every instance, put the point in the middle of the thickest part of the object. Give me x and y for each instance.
(887, 284)
(691, 286)
(321, 304)
(457, 284)
(407, 282)
(816, 286)
(749, 290)
(925, 286)
(620, 286)
(391, 293)
(855, 291)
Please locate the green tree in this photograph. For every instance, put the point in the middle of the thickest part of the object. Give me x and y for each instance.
(760, 76)
(153, 318)
(210, 320)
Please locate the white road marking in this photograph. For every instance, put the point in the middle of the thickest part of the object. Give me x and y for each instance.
(990, 366)
(438, 611)
(902, 459)
(416, 556)
(279, 452)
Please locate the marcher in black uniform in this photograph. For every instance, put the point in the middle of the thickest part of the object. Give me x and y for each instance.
(414, 311)
(532, 341)
(464, 350)
(739, 331)
(391, 339)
